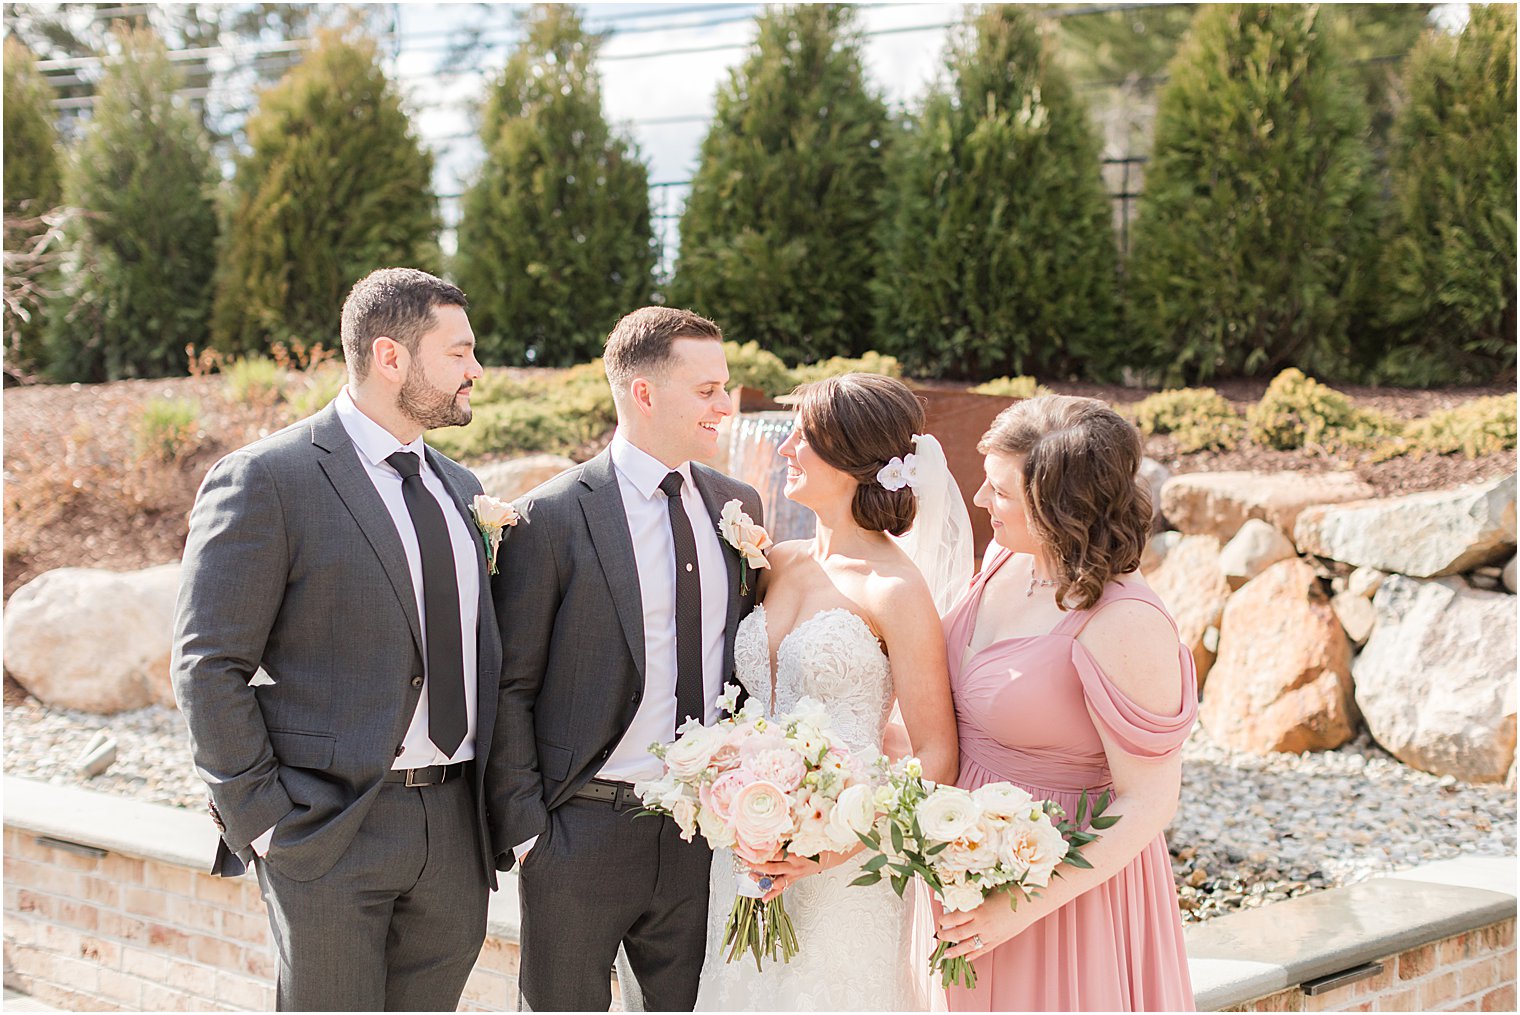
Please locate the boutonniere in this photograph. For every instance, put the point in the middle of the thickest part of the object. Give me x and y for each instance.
(493, 516)
(739, 530)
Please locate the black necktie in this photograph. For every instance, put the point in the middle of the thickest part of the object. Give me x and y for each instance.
(689, 696)
(440, 607)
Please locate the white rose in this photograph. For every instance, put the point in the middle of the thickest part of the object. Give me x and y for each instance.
(688, 756)
(977, 850)
(854, 812)
(714, 829)
(947, 814)
(1032, 849)
(761, 813)
(1002, 802)
(959, 896)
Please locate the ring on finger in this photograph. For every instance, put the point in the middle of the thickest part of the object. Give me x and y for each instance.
(976, 942)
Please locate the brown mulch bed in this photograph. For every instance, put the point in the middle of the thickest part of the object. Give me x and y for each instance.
(78, 493)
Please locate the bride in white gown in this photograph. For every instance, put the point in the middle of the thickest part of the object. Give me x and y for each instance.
(849, 620)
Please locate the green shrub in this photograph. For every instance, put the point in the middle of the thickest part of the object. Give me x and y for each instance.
(778, 239)
(1252, 243)
(33, 178)
(1448, 265)
(1298, 411)
(1012, 387)
(1199, 419)
(168, 428)
(867, 363)
(311, 390)
(754, 367)
(999, 250)
(555, 238)
(142, 238)
(254, 380)
(559, 413)
(33, 186)
(333, 185)
(1483, 426)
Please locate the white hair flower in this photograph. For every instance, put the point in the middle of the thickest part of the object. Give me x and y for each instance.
(899, 472)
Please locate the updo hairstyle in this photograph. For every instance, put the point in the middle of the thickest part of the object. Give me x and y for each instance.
(857, 423)
(1083, 496)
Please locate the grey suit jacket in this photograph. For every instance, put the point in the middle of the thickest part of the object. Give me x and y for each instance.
(572, 626)
(294, 567)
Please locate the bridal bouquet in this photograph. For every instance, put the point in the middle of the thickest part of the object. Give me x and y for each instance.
(968, 844)
(764, 788)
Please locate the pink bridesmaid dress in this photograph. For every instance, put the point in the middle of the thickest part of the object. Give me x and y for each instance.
(1022, 708)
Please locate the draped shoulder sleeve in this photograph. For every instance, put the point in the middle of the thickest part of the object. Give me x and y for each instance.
(1138, 731)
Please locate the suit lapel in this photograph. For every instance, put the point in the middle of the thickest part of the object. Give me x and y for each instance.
(607, 521)
(713, 498)
(346, 473)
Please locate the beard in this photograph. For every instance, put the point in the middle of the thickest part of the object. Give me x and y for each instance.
(427, 406)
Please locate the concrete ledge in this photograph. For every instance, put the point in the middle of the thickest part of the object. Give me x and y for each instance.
(1337, 929)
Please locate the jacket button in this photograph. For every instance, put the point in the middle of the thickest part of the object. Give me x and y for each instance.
(400, 750)
(604, 755)
(416, 681)
(634, 698)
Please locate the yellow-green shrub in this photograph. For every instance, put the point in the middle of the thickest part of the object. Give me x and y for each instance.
(751, 366)
(1012, 387)
(254, 380)
(1298, 411)
(168, 429)
(867, 363)
(1482, 426)
(1198, 419)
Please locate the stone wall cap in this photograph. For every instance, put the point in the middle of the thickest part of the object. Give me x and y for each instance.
(1337, 929)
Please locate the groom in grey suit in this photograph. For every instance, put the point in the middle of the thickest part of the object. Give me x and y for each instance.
(618, 604)
(337, 658)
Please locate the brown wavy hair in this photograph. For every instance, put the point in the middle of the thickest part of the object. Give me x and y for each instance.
(1082, 492)
(858, 423)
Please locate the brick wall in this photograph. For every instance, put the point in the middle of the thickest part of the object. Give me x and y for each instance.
(1472, 971)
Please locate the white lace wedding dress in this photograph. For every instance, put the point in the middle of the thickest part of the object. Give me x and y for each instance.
(860, 948)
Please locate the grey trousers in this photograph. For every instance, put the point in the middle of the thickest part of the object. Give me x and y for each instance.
(600, 878)
(398, 923)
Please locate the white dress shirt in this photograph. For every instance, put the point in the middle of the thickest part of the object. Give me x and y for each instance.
(639, 475)
(374, 444)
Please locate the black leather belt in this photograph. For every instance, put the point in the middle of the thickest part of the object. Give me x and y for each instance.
(432, 775)
(619, 794)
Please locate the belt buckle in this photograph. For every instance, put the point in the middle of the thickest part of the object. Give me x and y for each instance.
(411, 777)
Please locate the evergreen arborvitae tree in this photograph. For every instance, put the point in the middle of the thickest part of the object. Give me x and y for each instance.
(334, 185)
(142, 237)
(1000, 257)
(33, 186)
(1448, 296)
(1252, 247)
(555, 239)
(778, 237)
(33, 180)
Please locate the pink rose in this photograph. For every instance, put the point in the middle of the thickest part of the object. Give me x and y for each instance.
(783, 766)
(761, 815)
(719, 794)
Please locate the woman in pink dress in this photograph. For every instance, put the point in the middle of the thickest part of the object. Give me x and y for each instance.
(1068, 675)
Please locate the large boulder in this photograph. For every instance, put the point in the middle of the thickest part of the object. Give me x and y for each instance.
(94, 640)
(1154, 475)
(1423, 535)
(1283, 678)
(511, 479)
(1436, 681)
(1189, 582)
(1257, 546)
(1219, 503)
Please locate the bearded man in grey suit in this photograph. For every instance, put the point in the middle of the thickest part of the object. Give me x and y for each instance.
(618, 605)
(338, 563)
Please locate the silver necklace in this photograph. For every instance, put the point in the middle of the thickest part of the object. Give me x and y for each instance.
(1036, 582)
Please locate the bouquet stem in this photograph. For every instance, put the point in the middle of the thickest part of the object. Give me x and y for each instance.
(958, 970)
(761, 928)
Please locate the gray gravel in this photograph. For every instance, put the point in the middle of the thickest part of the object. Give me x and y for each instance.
(1248, 830)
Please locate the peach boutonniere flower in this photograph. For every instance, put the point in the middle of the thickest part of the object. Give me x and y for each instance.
(493, 517)
(739, 530)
